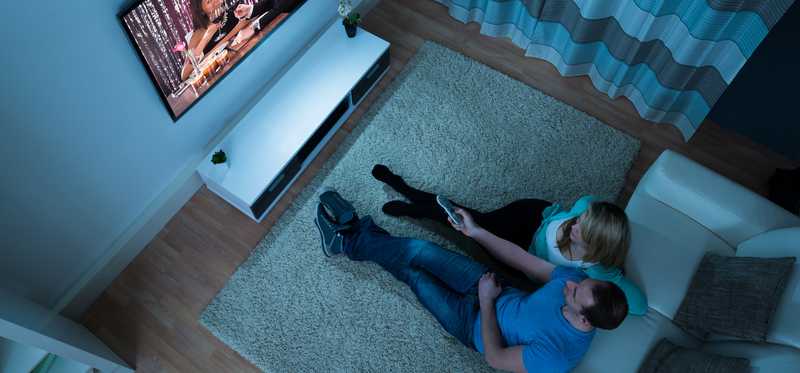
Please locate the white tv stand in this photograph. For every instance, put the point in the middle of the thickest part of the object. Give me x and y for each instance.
(286, 129)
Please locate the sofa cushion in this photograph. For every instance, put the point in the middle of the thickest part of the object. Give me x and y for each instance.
(785, 326)
(625, 348)
(666, 248)
(667, 357)
(735, 296)
(764, 358)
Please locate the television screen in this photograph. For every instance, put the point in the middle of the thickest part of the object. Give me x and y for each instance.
(189, 45)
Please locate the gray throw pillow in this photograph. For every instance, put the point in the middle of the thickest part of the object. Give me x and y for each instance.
(667, 357)
(734, 296)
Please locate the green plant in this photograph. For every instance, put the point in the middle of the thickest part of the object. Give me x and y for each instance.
(219, 157)
(352, 18)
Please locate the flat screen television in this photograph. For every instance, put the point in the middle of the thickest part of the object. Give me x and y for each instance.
(188, 46)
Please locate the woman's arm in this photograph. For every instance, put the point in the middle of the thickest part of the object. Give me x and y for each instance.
(200, 38)
(505, 251)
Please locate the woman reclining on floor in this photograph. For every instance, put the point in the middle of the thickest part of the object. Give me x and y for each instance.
(594, 235)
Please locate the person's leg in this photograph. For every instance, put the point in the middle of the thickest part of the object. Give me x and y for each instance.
(515, 222)
(383, 174)
(455, 312)
(399, 256)
(444, 282)
(423, 204)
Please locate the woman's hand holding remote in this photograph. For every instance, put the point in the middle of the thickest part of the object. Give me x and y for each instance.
(468, 227)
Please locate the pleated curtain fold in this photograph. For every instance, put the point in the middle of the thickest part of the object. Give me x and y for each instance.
(672, 59)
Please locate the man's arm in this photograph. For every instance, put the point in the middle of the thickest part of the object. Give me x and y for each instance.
(506, 251)
(498, 357)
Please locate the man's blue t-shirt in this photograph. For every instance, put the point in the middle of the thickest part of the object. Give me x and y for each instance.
(551, 343)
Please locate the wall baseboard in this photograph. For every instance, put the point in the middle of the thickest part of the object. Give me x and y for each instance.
(138, 235)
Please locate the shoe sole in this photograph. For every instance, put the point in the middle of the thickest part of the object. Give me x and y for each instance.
(343, 211)
(321, 238)
(326, 249)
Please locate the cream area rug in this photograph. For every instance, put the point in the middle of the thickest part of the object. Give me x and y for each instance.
(449, 125)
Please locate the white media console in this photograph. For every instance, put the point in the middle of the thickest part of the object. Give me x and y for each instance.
(290, 124)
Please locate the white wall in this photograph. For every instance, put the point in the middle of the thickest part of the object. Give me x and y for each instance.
(88, 149)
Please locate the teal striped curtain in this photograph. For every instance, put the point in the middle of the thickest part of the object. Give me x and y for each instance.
(672, 58)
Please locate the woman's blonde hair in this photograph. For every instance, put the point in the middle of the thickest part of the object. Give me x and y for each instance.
(605, 230)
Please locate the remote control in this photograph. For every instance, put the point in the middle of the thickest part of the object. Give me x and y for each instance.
(448, 207)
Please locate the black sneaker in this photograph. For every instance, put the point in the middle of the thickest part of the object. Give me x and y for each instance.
(329, 232)
(343, 212)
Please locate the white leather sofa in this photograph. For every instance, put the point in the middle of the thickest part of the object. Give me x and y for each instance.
(679, 211)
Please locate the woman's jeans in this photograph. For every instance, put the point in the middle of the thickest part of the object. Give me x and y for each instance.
(445, 282)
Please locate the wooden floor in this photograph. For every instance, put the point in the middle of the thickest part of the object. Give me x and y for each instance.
(149, 315)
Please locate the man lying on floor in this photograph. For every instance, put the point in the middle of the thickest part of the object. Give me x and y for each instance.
(548, 330)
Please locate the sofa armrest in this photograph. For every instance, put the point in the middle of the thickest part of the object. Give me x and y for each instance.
(724, 207)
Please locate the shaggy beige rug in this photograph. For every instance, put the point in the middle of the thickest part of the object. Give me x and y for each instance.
(449, 125)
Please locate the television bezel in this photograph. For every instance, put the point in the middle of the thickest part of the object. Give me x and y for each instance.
(146, 65)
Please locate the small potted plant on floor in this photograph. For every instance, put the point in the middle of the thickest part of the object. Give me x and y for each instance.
(220, 161)
(351, 18)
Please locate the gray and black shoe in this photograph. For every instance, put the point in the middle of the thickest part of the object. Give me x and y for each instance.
(343, 211)
(330, 232)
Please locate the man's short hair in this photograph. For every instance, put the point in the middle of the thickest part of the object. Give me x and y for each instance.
(610, 306)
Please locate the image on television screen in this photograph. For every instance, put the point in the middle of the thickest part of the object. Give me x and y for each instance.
(189, 45)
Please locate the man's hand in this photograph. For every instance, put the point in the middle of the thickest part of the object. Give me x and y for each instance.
(505, 358)
(488, 289)
(468, 227)
(243, 11)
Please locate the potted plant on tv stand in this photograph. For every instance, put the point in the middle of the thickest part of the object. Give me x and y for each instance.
(351, 18)
(219, 159)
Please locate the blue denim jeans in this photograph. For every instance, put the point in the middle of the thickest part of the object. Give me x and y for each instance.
(445, 282)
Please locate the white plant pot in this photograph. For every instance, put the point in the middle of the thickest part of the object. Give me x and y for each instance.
(219, 171)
